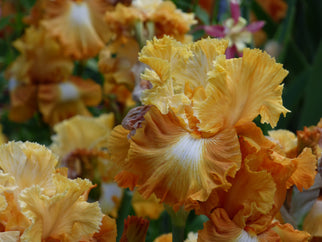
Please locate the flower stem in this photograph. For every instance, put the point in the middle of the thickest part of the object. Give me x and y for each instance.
(178, 220)
(123, 212)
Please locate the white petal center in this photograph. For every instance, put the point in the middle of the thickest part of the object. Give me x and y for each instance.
(68, 92)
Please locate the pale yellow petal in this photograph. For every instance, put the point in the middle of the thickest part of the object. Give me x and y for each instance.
(29, 163)
(286, 139)
(63, 215)
(150, 208)
(194, 70)
(288, 233)
(247, 87)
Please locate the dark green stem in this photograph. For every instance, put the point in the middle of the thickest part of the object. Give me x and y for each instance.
(123, 212)
(178, 220)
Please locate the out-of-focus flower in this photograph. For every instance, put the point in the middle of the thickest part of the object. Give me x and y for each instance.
(236, 30)
(64, 100)
(83, 150)
(110, 198)
(162, 18)
(135, 229)
(313, 221)
(36, 14)
(28, 71)
(78, 25)
(276, 9)
(37, 48)
(116, 62)
(188, 126)
(150, 208)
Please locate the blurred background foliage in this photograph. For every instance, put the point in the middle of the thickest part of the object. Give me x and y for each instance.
(298, 37)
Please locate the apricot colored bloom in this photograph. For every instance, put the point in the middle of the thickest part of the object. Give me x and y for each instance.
(66, 99)
(187, 126)
(78, 25)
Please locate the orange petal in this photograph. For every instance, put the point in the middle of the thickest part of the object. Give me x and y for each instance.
(219, 228)
(161, 148)
(305, 172)
(251, 196)
(135, 229)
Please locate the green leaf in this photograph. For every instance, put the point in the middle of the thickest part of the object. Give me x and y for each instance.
(292, 96)
(202, 15)
(312, 106)
(4, 22)
(284, 31)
